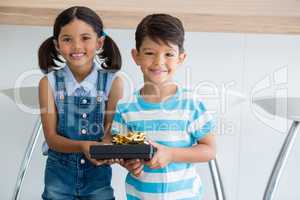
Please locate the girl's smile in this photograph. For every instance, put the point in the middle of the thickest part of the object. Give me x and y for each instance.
(77, 43)
(77, 56)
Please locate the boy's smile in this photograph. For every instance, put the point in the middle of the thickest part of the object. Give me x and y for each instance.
(158, 60)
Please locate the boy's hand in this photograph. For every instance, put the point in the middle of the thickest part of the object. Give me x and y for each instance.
(85, 146)
(161, 158)
(135, 166)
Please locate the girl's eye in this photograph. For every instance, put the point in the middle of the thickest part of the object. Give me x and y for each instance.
(86, 38)
(66, 39)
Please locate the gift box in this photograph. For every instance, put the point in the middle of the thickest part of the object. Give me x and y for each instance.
(125, 151)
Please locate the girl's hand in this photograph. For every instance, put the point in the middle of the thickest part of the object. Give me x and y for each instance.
(161, 158)
(134, 166)
(85, 146)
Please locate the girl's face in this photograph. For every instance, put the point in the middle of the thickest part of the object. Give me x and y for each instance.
(158, 61)
(77, 43)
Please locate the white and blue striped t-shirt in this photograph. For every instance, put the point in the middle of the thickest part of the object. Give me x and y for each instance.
(180, 121)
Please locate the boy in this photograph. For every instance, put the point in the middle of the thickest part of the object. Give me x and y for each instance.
(174, 122)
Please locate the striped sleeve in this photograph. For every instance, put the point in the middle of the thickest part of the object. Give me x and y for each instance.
(119, 125)
(202, 123)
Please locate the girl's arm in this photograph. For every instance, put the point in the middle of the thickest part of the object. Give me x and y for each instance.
(115, 94)
(49, 122)
(203, 151)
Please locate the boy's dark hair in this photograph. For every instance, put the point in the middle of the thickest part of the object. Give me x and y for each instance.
(160, 27)
(47, 54)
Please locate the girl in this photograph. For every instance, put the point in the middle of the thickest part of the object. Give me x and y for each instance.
(73, 100)
(174, 121)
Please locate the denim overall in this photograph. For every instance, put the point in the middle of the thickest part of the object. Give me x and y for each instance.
(71, 176)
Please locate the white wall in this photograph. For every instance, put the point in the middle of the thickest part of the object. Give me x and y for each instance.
(247, 146)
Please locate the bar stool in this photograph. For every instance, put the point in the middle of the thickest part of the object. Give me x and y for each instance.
(29, 98)
(289, 108)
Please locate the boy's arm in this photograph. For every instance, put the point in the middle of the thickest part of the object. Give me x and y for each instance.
(200, 129)
(203, 151)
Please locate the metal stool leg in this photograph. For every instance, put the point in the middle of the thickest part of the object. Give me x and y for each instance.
(217, 180)
(26, 159)
(281, 161)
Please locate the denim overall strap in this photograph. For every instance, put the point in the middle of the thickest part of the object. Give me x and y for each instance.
(60, 99)
(72, 175)
(101, 98)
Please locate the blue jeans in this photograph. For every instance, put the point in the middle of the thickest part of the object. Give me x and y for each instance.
(72, 177)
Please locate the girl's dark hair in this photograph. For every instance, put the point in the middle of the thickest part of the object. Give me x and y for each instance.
(48, 56)
(160, 27)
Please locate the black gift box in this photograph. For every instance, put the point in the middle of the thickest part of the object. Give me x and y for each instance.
(125, 151)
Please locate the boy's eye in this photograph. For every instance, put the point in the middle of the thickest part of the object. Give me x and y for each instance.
(170, 54)
(148, 53)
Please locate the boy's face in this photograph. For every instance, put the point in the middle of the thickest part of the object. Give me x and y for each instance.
(158, 61)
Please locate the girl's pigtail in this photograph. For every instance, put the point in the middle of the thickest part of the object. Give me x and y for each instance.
(47, 55)
(111, 55)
